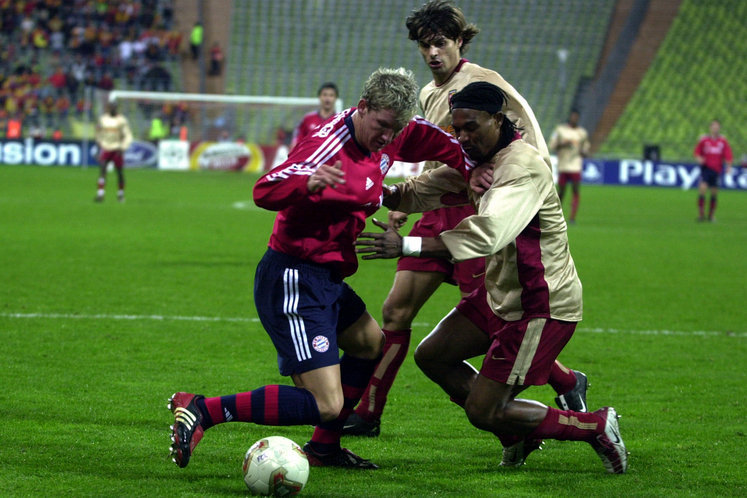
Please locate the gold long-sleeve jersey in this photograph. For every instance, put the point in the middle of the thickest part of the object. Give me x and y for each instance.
(519, 228)
(571, 144)
(113, 132)
(434, 102)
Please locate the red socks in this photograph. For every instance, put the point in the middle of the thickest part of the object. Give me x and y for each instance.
(395, 351)
(568, 426)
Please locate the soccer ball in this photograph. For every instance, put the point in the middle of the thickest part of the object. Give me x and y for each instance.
(275, 466)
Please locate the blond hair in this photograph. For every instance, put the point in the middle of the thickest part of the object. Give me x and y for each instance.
(392, 89)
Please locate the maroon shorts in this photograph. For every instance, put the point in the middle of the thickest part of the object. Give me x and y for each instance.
(115, 156)
(524, 351)
(468, 275)
(563, 178)
(475, 308)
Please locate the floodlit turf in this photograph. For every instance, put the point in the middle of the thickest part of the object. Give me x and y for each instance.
(107, 309)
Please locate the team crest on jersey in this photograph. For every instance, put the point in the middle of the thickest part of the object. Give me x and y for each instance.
(384, 164)
(448, 97)
(320, 344)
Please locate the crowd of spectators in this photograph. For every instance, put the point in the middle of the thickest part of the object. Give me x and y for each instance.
(54, 53)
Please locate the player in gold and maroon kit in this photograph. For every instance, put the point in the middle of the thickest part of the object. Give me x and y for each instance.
(113, 136)
(443, 34)
(712, 152)
(570, 141)
(533, 291)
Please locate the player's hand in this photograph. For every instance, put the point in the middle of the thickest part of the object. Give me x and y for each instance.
(392, 196)
(397, 219)
(481, 178)
(326, 176)
(384, 245)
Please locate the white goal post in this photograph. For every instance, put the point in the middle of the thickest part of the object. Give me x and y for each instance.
(251, 118)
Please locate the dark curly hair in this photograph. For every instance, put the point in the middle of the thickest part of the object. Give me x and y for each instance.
(440, 17)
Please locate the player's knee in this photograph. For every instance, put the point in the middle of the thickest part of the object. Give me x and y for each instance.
(485, 416)
(371, 347)
(424, 356)
(329, 407)
(399, 314)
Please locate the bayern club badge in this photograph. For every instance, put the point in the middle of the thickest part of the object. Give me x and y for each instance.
(320, 344)
(384, 164)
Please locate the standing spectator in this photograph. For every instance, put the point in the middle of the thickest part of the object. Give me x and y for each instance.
(216, 59)
(113, 136)
(106, 82)
(58, 80)
(195, 40)
(712, 151)
(570, 142)
(327, 94)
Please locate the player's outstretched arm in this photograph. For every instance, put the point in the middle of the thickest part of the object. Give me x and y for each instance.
(390, 244)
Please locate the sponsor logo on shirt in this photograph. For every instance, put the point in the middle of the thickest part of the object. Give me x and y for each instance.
(369, 183)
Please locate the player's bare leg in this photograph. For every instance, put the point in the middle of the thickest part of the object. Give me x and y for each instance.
(101, 183)
(443, 353)
(120, 183)
(575, 189)
(408, 294)
(702, 189)
(362, 343)
(712, 204)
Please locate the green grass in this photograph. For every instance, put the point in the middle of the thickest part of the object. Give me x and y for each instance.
(98, 316)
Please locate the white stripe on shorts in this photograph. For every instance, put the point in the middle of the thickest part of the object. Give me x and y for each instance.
(290, 309)
(527, 350)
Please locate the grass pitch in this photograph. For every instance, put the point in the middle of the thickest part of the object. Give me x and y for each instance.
(106, 310)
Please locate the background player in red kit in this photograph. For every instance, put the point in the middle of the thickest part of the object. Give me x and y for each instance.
(331, 182)
(327, 94)
(711, 151)
(442, 34)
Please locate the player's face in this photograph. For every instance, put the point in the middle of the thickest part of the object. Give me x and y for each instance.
(441, 54)
(573, 119)
(715, 128)
(477, 131)
(327, 99)
(376, 129)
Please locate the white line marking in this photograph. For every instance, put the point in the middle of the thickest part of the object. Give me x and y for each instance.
(103, 316)
(72, 316)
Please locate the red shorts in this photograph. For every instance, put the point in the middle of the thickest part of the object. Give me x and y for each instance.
(475, 308)
(524, 351)
(114, 156)
(563, 178)
(468, 275)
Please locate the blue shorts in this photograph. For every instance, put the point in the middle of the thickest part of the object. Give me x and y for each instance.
(709, 176)
(303, 306)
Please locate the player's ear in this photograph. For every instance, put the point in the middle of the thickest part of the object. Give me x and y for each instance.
(498, 116)
(362, 106)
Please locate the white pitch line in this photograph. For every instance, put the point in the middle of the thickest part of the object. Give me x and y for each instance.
(103, 316)
(72, 316)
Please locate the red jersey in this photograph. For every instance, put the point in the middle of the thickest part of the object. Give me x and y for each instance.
(715, 151)
(306, 127)
(321, 227)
